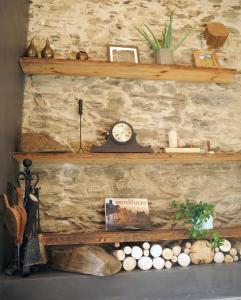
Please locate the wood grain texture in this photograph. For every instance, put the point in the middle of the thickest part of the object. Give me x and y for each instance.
(129, 158)
(104, 237)
(92, 68)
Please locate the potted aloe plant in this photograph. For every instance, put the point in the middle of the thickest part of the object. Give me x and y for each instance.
(163, 49)
(200, 218)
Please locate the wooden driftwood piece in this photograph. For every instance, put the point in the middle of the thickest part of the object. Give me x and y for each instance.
(85, 259)
(201, 252)
(215, 34)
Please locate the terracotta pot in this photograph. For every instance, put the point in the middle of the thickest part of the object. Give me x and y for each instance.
(164, 56)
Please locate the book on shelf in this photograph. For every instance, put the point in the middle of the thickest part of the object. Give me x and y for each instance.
(182, 150)
(127, 213)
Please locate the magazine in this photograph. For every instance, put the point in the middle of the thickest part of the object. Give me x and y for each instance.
(127, 213)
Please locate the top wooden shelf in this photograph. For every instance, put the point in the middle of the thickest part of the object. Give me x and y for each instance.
(128, 158)
(92, 68)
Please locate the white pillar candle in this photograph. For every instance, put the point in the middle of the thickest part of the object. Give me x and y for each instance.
(172, 137)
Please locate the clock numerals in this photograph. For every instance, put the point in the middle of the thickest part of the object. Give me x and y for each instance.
(122, 132)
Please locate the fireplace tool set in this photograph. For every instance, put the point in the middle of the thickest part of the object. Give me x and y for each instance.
(21, 218)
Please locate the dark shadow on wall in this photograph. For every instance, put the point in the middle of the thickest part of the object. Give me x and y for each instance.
(13, 32)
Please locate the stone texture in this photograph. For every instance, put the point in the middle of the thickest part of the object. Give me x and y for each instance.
(72, 196)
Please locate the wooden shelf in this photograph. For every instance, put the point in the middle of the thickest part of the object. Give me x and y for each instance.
(92, 68)
(128, 158)
(108, 237)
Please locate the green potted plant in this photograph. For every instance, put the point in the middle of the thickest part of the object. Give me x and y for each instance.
(163, 49)
(200, 218)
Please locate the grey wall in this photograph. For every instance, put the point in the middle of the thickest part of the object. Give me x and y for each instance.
(13, 31)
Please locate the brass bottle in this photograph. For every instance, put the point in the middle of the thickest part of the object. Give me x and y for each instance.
(47, 51)
(31, 50)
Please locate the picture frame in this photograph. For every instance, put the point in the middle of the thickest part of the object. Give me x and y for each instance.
(123, 53)
(205, 58)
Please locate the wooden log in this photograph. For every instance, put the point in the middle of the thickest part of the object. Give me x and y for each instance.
(188, 245)
(218, 257)
(228, 258)
(215, 34)
(129, 263)
(136, 252)
(158, 263)
(168, 264)
(156, 250)
(184, 260)
(176, 250)
(127, 250)
(233, 251)
(201, 252)
(117, 245)
(167, 253)
(119, 254)
(216, 249)
(85, 259)
(235, 258)
(146, 245)
(146, 252)
(145, 263)
(187, 250)
(174, 259)
(237, 245)
(226, 246)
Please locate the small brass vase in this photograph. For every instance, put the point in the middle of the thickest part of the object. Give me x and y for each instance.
(47, 51)
(82, 55)
(31, 50)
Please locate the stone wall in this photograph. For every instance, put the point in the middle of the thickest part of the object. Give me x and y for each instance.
(72, 195)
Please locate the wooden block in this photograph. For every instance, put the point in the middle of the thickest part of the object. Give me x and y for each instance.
(215, 34)
(37, 142)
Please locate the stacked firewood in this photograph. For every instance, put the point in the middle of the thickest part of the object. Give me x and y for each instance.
(147, 255)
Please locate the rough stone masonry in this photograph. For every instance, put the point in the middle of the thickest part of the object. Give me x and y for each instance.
(72, 196)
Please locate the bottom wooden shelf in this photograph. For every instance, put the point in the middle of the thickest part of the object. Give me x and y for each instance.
(106, 237)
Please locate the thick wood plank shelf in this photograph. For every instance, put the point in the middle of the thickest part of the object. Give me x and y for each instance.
(92, 68)
(128, 158)
(106, 237)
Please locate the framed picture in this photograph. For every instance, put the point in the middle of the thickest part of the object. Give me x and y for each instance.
(205, 58)
(123, 54)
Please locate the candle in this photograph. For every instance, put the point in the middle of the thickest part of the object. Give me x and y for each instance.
(172, 137)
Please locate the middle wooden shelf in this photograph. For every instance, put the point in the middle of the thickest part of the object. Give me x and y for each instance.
(128, 158)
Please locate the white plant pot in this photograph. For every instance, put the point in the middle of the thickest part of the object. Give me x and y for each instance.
(164, 56)
(208, 224)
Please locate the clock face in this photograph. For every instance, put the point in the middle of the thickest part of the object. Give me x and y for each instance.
(122, 132)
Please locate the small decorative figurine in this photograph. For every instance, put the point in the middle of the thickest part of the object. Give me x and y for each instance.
(31, 50)
(47, 51)
(82, 55)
